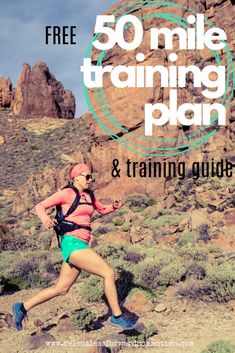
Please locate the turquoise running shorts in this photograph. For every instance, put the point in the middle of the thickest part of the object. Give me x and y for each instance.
(70, 243)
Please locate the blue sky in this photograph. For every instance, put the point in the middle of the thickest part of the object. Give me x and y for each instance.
(22, 38)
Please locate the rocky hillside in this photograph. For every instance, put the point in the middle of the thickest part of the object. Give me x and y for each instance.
(126, 104)
(172, 242)
(31, 143)
(31, 157)
(103, 149)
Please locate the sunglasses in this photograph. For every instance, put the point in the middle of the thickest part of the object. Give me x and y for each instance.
(88, 176)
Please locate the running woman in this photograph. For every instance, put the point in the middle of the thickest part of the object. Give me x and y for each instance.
(76, 249)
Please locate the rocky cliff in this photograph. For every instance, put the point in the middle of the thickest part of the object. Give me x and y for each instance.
(39, 94)
(6, 92)
(126, 105)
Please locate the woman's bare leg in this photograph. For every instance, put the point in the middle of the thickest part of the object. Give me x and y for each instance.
(68, 275)
(89, 261)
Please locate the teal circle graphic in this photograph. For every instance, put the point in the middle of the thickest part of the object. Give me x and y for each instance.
(105, 109)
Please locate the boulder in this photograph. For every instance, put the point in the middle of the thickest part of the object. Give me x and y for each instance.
(65, 324)
(38, 340)
(184, 225)
(209, 198)
(115, 237)
(138, 302)
(229, 218)
(169, 202)
(199, 217)
(159, 308)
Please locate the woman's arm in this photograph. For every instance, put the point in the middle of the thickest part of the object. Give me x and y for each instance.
(104, 209)
(56, 199)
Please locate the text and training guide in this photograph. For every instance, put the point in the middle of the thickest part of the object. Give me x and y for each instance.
(171, 76)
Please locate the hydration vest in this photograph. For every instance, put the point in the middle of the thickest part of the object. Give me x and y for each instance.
(62, 225)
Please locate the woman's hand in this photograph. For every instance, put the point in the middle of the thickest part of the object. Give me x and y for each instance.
(117, 203)
(48, 222)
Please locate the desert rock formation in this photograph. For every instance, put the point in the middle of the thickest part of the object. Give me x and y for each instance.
(39, 94)
(6, 92)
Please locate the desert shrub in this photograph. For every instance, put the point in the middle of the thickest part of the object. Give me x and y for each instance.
(121, 211)
(119, 222)
(15, 283)
(216, 183)
(92, 289)
(195, 270)
(171, 274)
(31, 223)
(134, 257)
(25, 275)
(154, 255)
(219, 347)
(12, 242)
(108, 218)
(213, 248)
(9, 262)
(115, 251)
(158, 233)
(119, 264)
(143, 336)
(149, 294)
(53, 269)
(162, 221)
(184, 189)
(158, 272)
(29, 273)
(204, 233)
(187, 238)
(126, 227)
(163, 212)
(3, 282)
(196, 252)
(103, 230)
(138, 202)
(149, 277)
(191, 289)
(227, 204)
(83, 318)
(156, 214)
(218, 286)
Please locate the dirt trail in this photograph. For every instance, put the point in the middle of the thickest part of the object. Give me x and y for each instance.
(182, 321)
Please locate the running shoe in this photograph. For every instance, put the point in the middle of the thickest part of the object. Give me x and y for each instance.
(18, 315)
(122, 321)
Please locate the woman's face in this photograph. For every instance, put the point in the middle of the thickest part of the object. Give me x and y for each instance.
(81, 182)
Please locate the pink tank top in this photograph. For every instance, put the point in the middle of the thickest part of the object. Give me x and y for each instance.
(82, 214)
